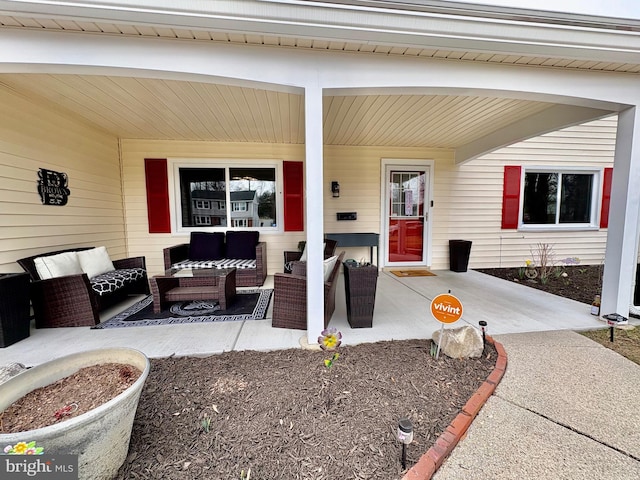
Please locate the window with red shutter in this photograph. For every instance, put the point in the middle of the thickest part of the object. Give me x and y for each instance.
(545, 198)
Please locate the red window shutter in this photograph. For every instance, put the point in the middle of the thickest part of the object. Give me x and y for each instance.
(155, 173)
(511, 197)
(293, 196)
(606, 197)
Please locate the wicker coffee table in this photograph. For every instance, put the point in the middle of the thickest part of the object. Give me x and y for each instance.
(194, 284)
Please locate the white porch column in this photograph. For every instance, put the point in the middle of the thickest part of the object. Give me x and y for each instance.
(622, 236)
(314, 212)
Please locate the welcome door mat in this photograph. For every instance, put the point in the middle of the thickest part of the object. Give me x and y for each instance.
(422, 272)
(248, 305)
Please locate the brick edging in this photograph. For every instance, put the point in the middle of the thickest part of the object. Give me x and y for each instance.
(431, 461)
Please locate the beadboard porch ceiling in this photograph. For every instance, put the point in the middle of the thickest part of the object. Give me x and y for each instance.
(166, 109)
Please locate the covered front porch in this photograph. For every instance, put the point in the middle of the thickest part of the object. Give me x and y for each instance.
(401, 312)
(459, 98)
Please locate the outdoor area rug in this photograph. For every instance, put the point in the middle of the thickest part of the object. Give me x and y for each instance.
(248, 305)
(413, 273)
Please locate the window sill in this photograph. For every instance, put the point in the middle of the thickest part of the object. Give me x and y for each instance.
(558, 228)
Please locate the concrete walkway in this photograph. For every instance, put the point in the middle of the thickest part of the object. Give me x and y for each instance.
(566, 409)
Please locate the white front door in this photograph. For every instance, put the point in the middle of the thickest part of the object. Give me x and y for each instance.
(406, 214)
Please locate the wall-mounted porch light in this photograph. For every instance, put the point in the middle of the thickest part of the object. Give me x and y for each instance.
(335, 189)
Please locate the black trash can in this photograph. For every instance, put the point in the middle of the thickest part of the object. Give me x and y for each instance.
(459, 251)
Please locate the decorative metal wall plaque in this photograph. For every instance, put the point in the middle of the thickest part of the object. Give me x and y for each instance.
(53, 187)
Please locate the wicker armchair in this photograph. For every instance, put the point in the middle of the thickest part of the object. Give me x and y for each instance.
(291, 256)
(290, 298)
(70, 301)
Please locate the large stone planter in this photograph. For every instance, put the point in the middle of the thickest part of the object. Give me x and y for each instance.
(99, 437)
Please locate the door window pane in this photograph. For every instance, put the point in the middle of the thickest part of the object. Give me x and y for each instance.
(407, 194)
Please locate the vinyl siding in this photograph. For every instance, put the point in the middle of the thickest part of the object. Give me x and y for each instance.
(34, 136)
(467, 198)
(356, 168)
(473, 196)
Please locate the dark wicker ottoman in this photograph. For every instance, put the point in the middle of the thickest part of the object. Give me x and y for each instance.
(14, 308)
(202, 284)
(360, 291)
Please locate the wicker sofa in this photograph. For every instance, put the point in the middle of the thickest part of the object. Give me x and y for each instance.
(290, 296)
(74, 300)
(239, 249)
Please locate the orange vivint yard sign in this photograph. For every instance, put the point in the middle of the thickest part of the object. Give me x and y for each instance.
(446, 308)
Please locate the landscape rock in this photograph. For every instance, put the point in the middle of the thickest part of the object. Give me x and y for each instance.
(464, 342)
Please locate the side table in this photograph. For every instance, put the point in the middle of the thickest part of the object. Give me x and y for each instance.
(14, 308)
(360, 291)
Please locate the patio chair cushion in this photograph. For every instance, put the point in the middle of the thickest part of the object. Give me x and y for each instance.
(242, 245)
(59, 265)
(206, 246)
(111, 281)
(95, 261)
(222, 263)
(303, 257)
(328, 265)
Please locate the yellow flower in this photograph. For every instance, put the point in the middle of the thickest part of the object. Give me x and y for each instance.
(20, 448)
(528, 263)
(330, 339)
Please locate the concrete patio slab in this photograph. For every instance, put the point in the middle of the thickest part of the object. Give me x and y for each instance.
(401, 312)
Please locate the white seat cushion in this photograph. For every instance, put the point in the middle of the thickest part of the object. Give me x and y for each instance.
(95, 261)
(328, 265)
(59, 265)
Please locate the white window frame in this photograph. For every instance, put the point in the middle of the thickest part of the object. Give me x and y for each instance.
(175, 208)
(596, 199)
(240, 222)
(203, 204)
(239, 207)
(199, 219)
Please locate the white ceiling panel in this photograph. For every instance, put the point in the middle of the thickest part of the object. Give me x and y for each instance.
(165, 109)
(162, 109)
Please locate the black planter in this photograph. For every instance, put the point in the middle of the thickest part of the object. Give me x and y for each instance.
(459, 251)
(14, 308)
(360, 291)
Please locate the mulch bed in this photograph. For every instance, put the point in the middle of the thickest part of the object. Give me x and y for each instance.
(284, 415)
(581, 283)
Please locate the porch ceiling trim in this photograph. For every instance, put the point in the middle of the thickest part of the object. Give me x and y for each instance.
(549, 120)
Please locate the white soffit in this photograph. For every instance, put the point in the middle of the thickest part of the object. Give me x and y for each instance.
(428, 28)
